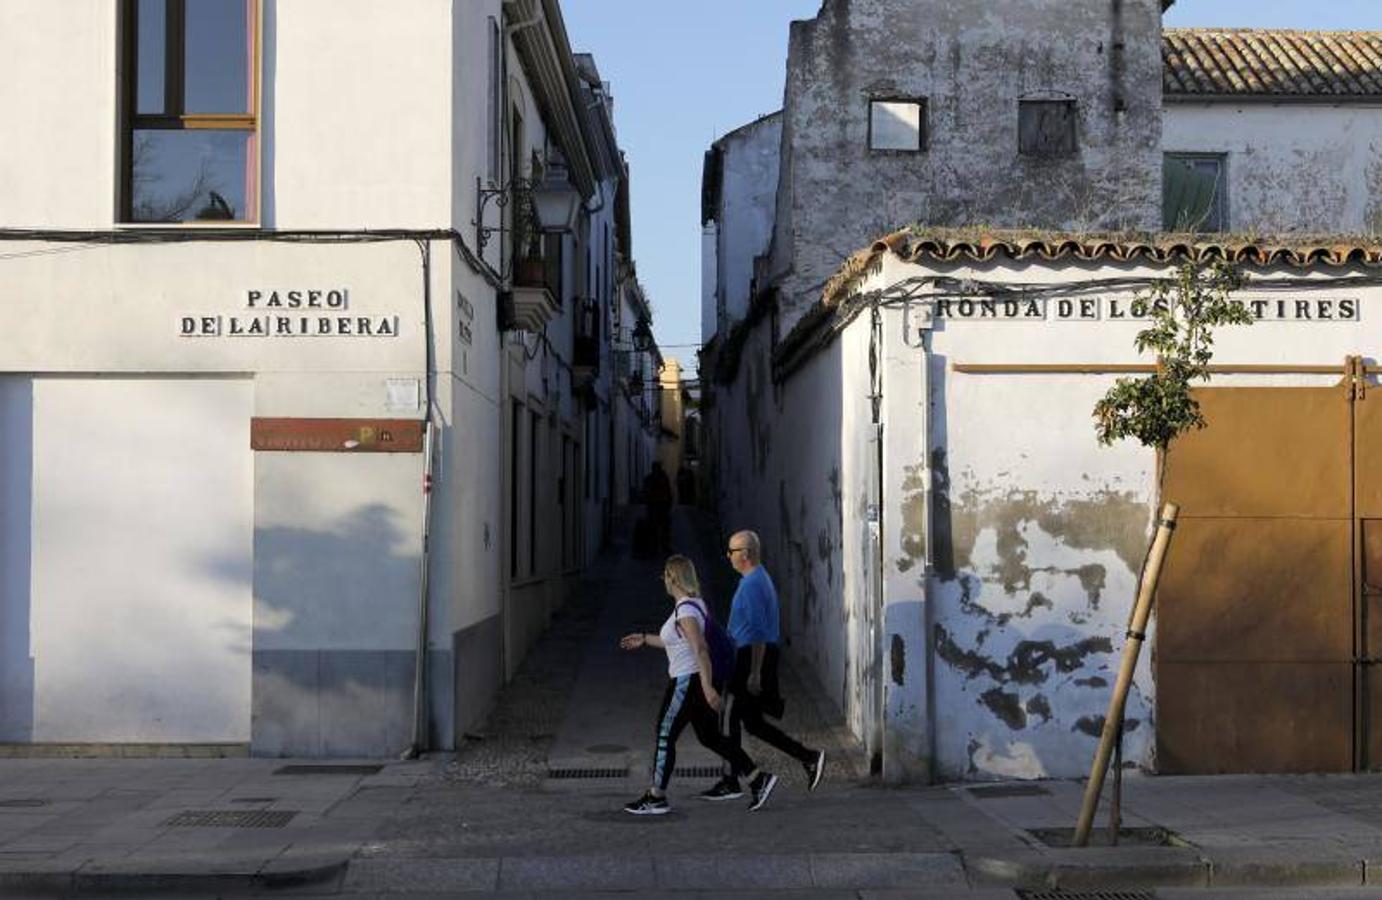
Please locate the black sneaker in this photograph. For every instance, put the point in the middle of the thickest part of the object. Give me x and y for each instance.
(814, 770)
(648, 805)
(726, 788)
(762, 788)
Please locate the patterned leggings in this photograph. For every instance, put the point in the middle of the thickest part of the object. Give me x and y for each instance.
(682, 703)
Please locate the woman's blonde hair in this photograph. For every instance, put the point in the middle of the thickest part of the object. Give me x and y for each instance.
(680, 575)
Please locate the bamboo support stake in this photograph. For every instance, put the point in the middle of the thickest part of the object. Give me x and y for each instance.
(1131, 650)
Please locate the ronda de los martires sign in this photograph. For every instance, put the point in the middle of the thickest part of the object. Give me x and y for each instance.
(1264, 307)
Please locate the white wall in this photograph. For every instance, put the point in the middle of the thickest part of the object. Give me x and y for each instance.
(141, 560)
(1291, 167)
(58, 60)
(1003, 611)
(747, 207)
(361, 104)
(1039, 531)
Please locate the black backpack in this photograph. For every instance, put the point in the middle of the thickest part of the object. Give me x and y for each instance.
(717, 641)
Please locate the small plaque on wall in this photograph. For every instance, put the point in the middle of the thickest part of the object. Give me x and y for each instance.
(337, 435)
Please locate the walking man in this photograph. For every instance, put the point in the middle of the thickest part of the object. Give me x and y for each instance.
(753, 689)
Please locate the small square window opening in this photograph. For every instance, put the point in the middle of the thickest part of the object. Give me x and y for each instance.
(897, 125)
(1046, 128)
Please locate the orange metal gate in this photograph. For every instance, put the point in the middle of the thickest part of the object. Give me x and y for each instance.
(1265, 642)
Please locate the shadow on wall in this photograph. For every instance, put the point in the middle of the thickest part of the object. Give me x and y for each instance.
(16, 514)
(335, 614)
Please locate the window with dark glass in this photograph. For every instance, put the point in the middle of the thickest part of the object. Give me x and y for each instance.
(191, 123)
(1046, 128)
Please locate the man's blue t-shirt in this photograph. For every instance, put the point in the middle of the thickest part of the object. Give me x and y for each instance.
(753, 614)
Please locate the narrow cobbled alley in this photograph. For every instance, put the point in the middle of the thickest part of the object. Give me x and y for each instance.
(570, 741)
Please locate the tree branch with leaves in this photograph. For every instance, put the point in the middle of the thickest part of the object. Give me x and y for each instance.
(1185, 313)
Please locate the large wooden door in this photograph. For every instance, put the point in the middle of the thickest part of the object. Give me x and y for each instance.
(1257, 622)
(1367, 452)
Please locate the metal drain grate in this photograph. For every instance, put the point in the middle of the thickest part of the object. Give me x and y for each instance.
(329, 770)
(22, 804)
(253, 799)
(699, 771)
(1008, 790)
(1086, 895)
(230, 818)
(578, 774)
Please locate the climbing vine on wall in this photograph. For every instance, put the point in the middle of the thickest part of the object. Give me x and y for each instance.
(1185, 312)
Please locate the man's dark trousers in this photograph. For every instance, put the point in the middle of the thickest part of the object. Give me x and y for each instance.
(745, 712)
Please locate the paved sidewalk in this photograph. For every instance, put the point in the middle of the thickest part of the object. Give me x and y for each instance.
(494, 817)
(90, 825)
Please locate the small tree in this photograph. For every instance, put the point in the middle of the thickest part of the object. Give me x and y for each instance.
(1156, 410)
(1185, 313)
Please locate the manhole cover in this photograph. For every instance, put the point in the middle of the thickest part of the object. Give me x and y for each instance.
(605, 749)
(329, 770)
(1099, 837)
(580, 774)
(22, 804)
(230, 818)
(1087, 895)
(1008, 790)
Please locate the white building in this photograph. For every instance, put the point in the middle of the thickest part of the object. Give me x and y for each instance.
(957, 568)
(262, 245)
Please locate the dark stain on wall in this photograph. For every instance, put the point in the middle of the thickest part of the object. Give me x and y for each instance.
(1094, 725)
(1093, 577)
(1039, 706)
(1007, 707)
(1093, 681)
(942, 541)
(897, 657)
(1028, 662)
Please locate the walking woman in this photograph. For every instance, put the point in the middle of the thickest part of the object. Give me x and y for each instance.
(692, 696)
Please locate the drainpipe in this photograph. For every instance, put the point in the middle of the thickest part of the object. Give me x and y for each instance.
(923, 324)
(878, 696)
(420, 718)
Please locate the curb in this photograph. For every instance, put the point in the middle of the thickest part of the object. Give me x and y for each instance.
(1084, 871)
(81, 881)
(816, 871)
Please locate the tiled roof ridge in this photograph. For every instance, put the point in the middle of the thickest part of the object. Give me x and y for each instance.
(963, 245)
(1272, 62)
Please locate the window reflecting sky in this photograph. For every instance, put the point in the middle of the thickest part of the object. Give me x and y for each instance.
(216, 59)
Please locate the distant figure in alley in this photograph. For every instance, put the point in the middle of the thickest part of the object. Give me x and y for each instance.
(753, 690)
(692, 695)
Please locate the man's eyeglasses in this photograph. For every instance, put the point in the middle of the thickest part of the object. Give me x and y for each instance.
(733, 550)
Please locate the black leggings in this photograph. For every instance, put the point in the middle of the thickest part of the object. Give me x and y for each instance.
(682, 703)
(744, 712)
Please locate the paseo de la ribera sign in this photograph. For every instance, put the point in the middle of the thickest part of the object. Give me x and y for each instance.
(291, 313)
(1264, 307)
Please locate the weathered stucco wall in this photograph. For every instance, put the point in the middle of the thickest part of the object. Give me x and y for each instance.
(1037, 533)
(1305, 167)
(793, 467)
(749, 187)
(971, 62)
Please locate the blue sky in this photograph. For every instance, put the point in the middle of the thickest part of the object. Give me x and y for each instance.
(683, 74)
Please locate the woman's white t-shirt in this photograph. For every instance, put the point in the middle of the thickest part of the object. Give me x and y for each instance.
(681, 658)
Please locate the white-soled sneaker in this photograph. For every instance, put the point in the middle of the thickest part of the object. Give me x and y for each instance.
(726, 788)
(648, 805)
(815, 770)
(762, 788)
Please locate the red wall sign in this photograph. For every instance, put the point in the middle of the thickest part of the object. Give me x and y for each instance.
(337, 435)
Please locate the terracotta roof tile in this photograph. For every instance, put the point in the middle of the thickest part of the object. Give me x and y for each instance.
(1214, 62)
(975, 245)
